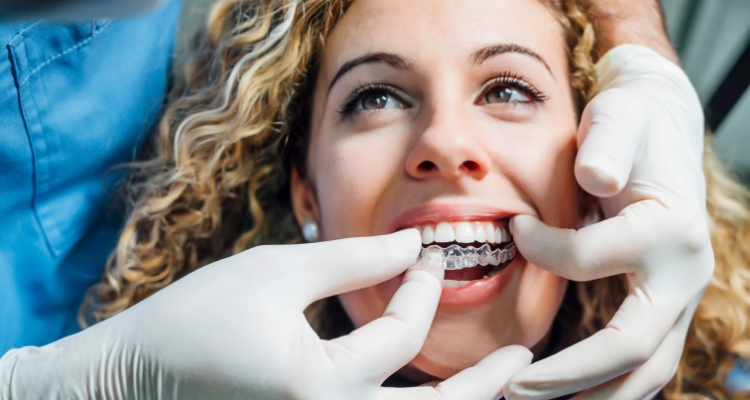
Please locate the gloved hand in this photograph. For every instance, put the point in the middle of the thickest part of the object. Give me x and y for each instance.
(640, 150)
(236, 329)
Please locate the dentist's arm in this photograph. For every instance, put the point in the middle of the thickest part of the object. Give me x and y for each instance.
(640, 151)
(639, 22)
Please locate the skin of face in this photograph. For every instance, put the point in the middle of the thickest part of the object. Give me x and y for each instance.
(445, 149)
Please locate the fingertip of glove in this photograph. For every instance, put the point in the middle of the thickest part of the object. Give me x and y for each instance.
(523, 353)
(432, 264)
(521, 223)
(519, 355)
(408, 241)
(598, 176)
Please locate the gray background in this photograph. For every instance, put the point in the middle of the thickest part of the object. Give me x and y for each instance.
(709, 35)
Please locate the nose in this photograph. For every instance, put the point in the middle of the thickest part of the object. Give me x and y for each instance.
(447, 149)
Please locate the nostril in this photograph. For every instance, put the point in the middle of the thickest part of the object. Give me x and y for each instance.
(471, 165)
(426, 166)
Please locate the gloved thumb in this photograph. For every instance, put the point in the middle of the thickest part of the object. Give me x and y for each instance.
(584, 254)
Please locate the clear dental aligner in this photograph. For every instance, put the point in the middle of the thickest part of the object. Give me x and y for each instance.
(456, 257)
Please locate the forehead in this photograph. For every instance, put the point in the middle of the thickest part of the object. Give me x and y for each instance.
(443, 31)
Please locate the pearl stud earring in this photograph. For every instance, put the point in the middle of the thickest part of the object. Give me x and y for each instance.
(310, 231)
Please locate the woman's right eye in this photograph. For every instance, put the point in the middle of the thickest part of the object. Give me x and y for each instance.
(373, 98)
(378, 100)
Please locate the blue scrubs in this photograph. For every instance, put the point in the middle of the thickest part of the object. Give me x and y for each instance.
(75, 100)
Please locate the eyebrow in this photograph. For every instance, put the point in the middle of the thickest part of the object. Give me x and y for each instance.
(393, 60)
(484, 53)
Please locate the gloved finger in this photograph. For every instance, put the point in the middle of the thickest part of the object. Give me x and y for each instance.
(647, 380)
(612, 128)
(610, 247)
(620, 347)
(483, 381)
(301, 274)
(378, 349)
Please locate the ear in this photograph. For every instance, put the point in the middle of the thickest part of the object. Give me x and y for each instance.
(304, 203)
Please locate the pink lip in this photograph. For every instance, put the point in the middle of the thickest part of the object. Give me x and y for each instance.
(481, 291)
(445, 212)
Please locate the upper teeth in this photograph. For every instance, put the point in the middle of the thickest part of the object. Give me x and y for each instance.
(464, 232)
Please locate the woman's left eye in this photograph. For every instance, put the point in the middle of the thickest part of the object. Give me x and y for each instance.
(506, 94)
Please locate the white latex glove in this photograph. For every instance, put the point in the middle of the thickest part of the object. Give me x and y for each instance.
(236, 329)
(640, 151)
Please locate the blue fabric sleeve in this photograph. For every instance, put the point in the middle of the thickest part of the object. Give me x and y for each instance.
(74, 101)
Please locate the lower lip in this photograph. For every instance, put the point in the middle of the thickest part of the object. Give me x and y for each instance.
(480, 291)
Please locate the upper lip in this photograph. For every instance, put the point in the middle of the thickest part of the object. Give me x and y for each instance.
(432, 213)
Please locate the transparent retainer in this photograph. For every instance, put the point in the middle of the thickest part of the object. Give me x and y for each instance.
(456, 257)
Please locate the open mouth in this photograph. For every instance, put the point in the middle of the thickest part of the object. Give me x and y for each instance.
(472, 250)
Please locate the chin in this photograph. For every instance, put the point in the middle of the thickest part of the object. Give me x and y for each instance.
(522, 314)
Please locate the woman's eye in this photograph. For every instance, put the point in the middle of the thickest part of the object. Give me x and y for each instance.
(374, 97)
(506, 94)
(379, 100)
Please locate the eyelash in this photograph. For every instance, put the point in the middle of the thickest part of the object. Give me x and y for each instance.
(507, 79)
(517, 82)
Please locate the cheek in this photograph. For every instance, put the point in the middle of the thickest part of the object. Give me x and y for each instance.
(540, 294)
(355, 173)
(556, 191)
(541, 167)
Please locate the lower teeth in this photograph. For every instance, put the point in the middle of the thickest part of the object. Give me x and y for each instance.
(455, 284)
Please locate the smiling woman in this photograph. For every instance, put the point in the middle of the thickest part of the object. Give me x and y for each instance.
(455, 130)
(375, 116)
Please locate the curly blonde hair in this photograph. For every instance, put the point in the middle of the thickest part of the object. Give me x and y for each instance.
(218, 170)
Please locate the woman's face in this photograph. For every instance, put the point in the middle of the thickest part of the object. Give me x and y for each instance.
(448, 116)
